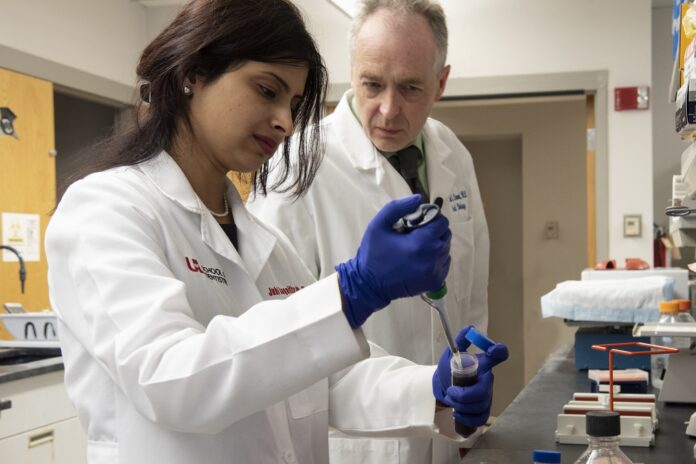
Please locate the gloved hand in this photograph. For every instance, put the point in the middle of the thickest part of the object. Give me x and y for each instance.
(390, 265)
(472, 404)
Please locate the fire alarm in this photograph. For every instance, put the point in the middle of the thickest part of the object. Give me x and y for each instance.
(631, 98)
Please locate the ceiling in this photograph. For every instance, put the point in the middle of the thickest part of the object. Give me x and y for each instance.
(156, 3)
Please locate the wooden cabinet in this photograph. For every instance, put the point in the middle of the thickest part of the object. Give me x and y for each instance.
(41, 426)
(27, 179)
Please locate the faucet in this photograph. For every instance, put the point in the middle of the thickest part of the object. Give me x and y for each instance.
(22, 269)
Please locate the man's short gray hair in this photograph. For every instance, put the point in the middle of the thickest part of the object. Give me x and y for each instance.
(429, 9)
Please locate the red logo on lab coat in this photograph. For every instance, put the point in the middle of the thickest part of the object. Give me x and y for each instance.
(193, 265)
(283, 291)
(211, 273)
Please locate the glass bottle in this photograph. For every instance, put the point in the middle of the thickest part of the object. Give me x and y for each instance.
(603, 429)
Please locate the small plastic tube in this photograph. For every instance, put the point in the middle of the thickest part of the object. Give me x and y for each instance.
(546, 457)
(464, 375)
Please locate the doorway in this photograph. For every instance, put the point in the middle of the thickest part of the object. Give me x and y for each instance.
(530, 160)
(498, 164)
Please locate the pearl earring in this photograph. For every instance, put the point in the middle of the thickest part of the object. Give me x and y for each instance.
(187, 90)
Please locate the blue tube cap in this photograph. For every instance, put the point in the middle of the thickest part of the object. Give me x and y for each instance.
(478, 339)
(546, 457)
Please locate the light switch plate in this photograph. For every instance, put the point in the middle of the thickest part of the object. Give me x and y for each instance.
(632, 225)
(551, 230)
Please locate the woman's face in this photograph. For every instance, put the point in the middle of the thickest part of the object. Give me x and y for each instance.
(240, 119)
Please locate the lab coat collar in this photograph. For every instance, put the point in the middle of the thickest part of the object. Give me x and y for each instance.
(362, 153)
(441, 178)
(255, 243)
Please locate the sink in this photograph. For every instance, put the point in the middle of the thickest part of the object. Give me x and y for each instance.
(11, 356)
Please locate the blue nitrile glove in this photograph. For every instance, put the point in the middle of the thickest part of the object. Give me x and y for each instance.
(390, 265)
(472, 405)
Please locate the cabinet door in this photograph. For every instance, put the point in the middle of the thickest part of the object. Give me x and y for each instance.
(28, 448)
(36, 402)
(70, 445)
(60, 443)
(27, 181)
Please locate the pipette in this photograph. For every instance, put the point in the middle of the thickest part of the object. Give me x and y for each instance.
(425, 213)
(436, 300)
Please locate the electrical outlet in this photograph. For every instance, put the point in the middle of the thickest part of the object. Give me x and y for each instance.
(551, 230)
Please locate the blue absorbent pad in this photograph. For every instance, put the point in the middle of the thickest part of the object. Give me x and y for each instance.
(624, 300)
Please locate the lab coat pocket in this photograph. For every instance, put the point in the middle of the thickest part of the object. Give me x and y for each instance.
(461, 274)
(310, 400)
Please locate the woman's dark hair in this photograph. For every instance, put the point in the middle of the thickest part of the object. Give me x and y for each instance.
(205, 40)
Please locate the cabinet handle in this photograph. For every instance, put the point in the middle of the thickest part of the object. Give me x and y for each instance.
(5, 404)
(40, 439)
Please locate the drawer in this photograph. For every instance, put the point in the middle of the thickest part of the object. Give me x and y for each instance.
(60, 443)
(36, 402)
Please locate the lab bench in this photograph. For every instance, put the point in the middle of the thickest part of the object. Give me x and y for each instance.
(38, 423)
(529, 422)
(17, 363)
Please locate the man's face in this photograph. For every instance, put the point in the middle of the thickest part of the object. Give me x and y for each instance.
(394, 77)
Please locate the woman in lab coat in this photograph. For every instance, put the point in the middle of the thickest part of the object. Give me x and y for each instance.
(193, 333)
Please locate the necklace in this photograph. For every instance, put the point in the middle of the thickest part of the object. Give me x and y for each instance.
(224, 213)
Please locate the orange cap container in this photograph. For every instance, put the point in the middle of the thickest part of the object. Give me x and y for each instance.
(684, 305)
(669, 307)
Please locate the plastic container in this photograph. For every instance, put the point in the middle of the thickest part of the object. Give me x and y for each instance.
(603, 429)
(31, 326)
(546, 457)
(478, 339)
(658, 362)
(464, 376)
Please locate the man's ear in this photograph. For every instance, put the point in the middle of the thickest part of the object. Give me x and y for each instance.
(442, 82)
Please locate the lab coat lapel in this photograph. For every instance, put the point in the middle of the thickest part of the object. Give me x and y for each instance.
(171, 181)
(362, 153)
(441, 178)
(255, 242)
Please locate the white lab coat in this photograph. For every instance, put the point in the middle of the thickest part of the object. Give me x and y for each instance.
(326, 226)
(178, 349)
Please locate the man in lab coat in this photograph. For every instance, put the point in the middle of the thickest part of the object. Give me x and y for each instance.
(380, 145)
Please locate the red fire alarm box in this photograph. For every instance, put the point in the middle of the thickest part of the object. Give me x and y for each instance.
(631, 98)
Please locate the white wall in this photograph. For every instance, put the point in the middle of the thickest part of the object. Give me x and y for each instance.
(100, 37)
(538, 37)
(329, 27)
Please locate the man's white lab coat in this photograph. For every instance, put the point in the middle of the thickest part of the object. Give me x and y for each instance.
(325, 226)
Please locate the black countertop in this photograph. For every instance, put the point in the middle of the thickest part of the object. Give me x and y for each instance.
(529, 423)
(20, 363)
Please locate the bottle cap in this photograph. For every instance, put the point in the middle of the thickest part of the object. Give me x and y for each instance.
(603, 423)
(684, 305)
(546, 457)
(437, 294)
(478, 339)
(668, 307)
